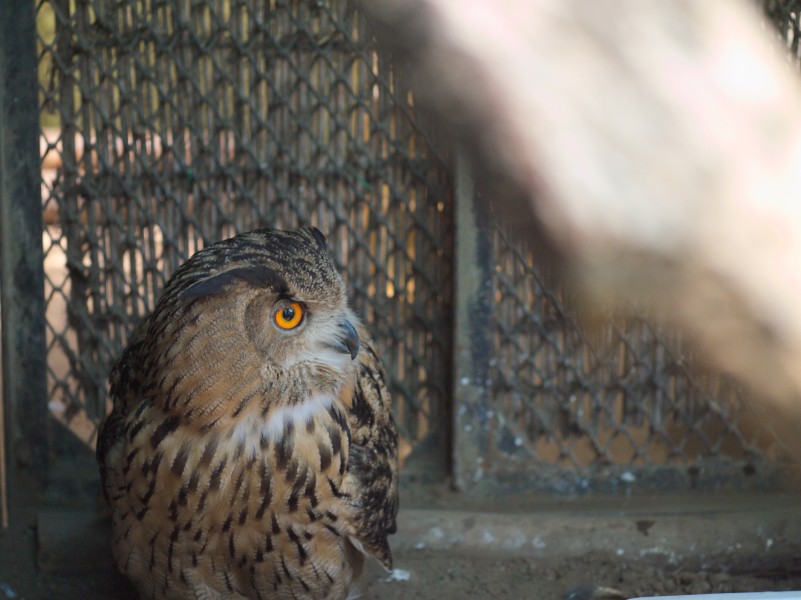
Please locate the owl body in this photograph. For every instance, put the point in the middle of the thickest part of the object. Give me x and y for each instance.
(243, 458)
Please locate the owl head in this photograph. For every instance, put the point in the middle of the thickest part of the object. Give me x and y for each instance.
(263, 314)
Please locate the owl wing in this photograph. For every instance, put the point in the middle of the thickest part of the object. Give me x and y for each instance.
(373, 460)
(125, 383)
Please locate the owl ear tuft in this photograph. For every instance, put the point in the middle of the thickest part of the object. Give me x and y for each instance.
(318, 235)
(256, 276)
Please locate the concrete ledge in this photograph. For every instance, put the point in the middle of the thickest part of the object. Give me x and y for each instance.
(752, 532)
(707, 538)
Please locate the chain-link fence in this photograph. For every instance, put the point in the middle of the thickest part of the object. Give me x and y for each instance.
(174, 124)
(169, 125)
(612, 405)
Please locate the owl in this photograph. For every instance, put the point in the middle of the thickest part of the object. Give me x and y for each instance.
(251, 450)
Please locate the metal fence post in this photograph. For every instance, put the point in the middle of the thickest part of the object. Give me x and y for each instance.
(472, 350)
(21, 272)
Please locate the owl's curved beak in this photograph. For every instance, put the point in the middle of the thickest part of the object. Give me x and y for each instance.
(348, 341)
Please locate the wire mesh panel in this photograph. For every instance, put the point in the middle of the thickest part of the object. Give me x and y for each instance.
(547, 401)
(624, 395)
(174, 124)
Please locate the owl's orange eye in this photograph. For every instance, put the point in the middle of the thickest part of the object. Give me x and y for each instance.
(289, 316)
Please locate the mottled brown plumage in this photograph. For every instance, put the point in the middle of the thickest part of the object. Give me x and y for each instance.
(242, 459)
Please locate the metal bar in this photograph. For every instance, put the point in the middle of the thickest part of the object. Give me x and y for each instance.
(21, 271)
(3, 478)
(472, 350)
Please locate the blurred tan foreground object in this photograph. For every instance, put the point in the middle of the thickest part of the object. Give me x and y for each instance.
(657, 146)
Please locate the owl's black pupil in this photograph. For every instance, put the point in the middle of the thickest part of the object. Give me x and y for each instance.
(288, 314)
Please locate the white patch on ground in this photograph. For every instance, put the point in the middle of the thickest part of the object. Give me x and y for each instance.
(671, 556)
(538, 543)
(517, 539)
(399, 575)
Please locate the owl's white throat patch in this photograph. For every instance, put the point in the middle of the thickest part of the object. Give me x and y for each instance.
(252, 429)
(297, 414)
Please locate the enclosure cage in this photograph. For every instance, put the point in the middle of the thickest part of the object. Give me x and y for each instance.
(166, 126)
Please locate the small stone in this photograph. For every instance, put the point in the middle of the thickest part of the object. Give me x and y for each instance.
(700, 586)
(720, 582)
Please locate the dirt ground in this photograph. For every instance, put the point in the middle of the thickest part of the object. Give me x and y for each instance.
(433, 573)
(438, 576)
